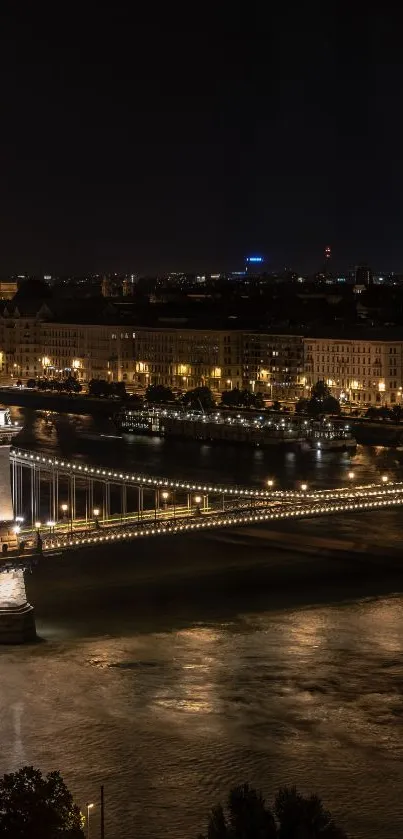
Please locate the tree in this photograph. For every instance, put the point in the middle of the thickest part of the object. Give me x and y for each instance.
(397, 413)
(71, 385)
(321, 401)
(236, 398)
(301, 406)
(119, 389)
(33, 806)
(99, 387)
(158, 394)
(293, 816)
(258, 401)
(245, 817)
(199, 398)
(331, 405)
(320, 391)
(303, 816)
(232, 398)
(384, 412)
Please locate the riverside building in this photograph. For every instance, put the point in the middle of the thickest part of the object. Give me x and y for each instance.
(100, 339)
(364, 370)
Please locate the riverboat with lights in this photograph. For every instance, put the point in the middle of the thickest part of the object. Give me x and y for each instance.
(221, 427)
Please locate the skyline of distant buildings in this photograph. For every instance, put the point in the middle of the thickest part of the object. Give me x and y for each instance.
(255, 269)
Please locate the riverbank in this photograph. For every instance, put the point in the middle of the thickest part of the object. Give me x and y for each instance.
(74, 403)
(366, 432)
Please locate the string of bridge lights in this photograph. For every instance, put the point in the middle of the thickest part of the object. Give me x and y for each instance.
(23, 457)
(147, 515)
(224, 521)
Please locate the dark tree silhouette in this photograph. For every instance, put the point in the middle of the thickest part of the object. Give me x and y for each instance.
(199, 398)
(99, 387)
(158, 394)
(301, 406)
(320, 391)
(71, 385)
(241, 398)
(293, 816)
(245, 817)
(303, 817)
(331, 405)
(34, 806)
(321, 401)
(397, 413)
(232, 398)
(119, 389)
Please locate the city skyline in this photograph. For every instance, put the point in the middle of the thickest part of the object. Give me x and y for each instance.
(170, 144)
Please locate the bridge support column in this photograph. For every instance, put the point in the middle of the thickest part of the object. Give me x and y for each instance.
(17, 623)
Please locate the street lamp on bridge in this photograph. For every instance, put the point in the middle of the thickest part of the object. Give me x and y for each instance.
(198, 500)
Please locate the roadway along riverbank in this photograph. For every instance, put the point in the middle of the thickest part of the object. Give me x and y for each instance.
(74, 403)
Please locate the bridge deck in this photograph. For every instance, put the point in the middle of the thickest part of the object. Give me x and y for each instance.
(115, 530)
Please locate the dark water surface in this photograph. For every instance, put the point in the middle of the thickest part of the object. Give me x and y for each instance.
(173, 668)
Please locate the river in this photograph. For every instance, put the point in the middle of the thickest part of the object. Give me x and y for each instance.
(171, 669)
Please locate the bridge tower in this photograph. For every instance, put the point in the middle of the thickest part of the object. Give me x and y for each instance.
(17, 623)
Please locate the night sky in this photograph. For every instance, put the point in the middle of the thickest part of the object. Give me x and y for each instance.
(156, 141)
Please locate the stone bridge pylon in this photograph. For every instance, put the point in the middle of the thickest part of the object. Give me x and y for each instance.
(17, 622)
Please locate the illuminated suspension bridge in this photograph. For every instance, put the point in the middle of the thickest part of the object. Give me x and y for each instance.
(50, 505)
(65, 504)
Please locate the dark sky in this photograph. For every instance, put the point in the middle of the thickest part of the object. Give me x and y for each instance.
(151, 141)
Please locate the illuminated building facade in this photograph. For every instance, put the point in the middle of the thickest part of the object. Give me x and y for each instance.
(8, 289)
(38, 342)
(186, 358)
(273, 365)
(366, 372)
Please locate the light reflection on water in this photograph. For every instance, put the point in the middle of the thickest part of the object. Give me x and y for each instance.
(172, 670)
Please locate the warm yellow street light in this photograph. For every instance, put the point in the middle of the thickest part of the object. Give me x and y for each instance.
(164, 495)
(304, 487)
(96, 512)
(270, 482)
(351, 475)
(385, 479)
(198, 499)
(89, 807)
